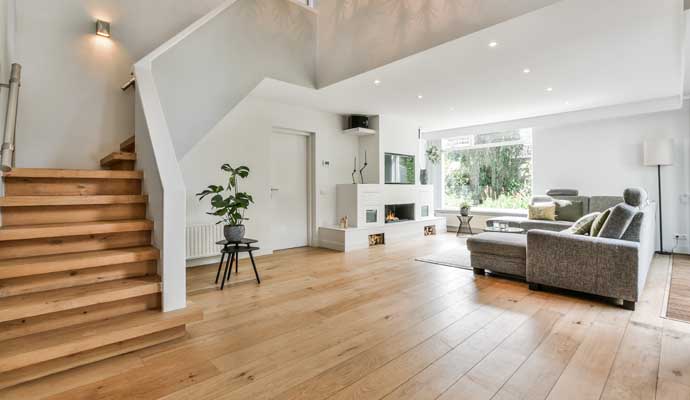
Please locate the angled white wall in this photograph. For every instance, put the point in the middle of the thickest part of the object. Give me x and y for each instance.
(208, 72)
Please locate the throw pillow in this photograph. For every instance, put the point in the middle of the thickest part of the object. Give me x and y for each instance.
(632, 234)
(542, 211)
(583, 225)
(618, 222)
(599, 223)
(567, 210)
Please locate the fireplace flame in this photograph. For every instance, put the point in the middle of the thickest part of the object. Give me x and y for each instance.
(391, 216)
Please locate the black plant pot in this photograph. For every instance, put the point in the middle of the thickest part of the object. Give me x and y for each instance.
(423, 176)
(465, 211)
(233, 233)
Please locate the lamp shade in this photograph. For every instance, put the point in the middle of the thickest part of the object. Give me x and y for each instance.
(658, 152)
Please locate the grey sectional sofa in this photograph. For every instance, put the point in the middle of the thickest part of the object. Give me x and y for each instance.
(589, 204)
(615, 268)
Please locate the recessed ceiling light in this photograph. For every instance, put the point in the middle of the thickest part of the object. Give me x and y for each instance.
(493, 44)
(377, 82)
(452, 109)
(549, 89)
(526, 71)
(419, 96)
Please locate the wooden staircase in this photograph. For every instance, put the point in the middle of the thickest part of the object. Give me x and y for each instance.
(78, 276)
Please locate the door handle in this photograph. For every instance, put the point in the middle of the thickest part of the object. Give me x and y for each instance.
(274, 189)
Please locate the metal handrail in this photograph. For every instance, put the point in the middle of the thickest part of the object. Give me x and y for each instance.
(11, 118)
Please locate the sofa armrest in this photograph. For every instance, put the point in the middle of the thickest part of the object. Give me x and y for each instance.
(606, 267)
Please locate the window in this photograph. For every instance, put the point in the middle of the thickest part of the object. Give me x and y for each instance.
(492, 170)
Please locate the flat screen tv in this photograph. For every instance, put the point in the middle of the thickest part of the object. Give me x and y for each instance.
(399, 169)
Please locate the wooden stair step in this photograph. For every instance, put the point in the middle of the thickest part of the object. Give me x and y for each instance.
(40, 303)
(40, 201)
(72, 174)
(19, 267)
(119, 160)
(128, 145)
(34, 349)
(26, 374)
(73, 229)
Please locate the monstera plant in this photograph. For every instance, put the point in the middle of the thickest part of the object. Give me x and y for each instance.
(228, 203)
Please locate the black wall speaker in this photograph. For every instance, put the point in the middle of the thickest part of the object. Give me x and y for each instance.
(358, 121)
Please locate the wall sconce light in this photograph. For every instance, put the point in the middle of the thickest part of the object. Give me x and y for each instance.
(103, 28)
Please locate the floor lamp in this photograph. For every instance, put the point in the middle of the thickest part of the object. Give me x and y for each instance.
(657, 153)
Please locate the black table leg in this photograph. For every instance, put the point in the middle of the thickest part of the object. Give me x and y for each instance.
(254, 266)
(235, 256)
(225, 272)
(222, 257)
(237, 263)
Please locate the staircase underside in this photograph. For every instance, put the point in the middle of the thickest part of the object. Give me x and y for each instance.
(78, 275)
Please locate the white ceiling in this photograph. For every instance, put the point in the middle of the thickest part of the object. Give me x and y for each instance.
(592, 53)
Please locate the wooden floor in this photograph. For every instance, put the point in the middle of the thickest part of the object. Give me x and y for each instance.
(679, 290)
(376, 324)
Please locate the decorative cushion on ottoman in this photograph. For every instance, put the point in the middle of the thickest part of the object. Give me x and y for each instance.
(499, 252)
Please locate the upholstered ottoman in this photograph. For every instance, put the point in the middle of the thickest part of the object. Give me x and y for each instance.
(504, 253)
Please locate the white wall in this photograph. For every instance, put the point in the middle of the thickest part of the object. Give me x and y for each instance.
(605, 157)
(7, 26)
(210, 71)
(72, 112)
(243, 138)
(398, 135)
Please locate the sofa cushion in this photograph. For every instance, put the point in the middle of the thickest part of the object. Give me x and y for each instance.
(542, 211)
(568, 210)
(632, 234)
(635, 197)
(583, 225)
(602, 203)
(501, 244)
(599, 223)
(618, 222)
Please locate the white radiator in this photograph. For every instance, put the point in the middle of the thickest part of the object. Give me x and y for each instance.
(201, 240)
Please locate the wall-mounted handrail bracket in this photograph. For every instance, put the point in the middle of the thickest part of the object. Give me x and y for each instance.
(131, 82)
(11, 118)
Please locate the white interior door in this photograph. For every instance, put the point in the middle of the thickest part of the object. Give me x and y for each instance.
(289, 190)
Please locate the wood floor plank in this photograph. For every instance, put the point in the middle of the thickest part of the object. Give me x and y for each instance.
(486, 377)
(635, 370)
(375, 323)
(475, 339)
(535, 378)
(586, 374)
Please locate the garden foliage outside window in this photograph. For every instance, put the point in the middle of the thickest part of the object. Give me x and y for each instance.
(492, 170)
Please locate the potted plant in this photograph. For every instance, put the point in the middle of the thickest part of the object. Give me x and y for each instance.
(433, 154)
(229, 203)
(465, 208)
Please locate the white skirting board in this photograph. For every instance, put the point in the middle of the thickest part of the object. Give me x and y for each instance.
(336, 238)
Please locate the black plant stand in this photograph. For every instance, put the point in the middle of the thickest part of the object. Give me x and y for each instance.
(232, 250)
(465, 222)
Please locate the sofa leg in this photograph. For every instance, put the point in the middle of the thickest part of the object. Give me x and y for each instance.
(534, 286)
(629, 305)
(478, 271)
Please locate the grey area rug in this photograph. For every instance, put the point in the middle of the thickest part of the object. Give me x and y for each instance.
(456, 257)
